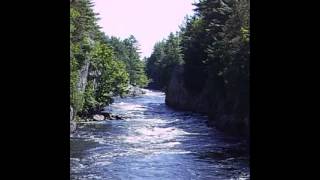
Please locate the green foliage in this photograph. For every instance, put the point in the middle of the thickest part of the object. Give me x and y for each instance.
(245, 34)
(216, 44)
(213, 46)
(77, 101)
(107, 75)
(82, 20)
(114, 79)
(166, 55)
(127, 51)
(235, 59)
(89, 96)
(194, 42)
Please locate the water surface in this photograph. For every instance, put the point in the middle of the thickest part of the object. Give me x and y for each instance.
(155, 142)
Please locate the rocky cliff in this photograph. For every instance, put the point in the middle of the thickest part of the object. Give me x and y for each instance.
(81, 86)
(228, 109)
(72, 123)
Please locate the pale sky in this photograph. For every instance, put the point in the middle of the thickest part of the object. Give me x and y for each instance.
(148, 20)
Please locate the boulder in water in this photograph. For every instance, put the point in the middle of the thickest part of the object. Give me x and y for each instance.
(98, 117)
(117, 117)
(107, 115)
(134, 91)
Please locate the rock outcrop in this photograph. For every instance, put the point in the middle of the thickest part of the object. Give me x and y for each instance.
(227, 109)
(71, 113)
(178, 97)
(73, 124)
(83, 76)
(134, 91)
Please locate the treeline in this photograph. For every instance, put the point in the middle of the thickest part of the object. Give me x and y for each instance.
(212, 48)
(100, 67)
(127, 51)
(215, 41)
(165, 56)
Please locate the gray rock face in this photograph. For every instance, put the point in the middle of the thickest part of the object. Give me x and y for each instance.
(81, 86)
(178, 97)
(134, 91)
(71, 113)
(73, 124)
(226, 111)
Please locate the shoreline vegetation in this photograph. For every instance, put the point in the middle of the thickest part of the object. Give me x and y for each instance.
(99, 114)
(102, 67)
(204, 67)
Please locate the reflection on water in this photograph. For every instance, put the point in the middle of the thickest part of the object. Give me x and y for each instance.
(155, 142)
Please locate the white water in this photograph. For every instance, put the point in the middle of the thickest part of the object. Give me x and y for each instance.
(155, 142)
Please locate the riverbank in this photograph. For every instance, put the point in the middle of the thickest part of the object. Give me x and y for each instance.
(227, 109)
(101, 114)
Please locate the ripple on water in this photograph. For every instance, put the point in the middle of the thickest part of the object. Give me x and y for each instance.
(128, 107)
(154, 142)
(154, 135)
(165, 133)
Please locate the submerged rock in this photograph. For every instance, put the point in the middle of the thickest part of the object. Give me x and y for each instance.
(109, 116)
(105, 116)
(117, 117)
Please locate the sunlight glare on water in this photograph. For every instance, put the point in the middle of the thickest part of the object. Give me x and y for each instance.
(155, 142)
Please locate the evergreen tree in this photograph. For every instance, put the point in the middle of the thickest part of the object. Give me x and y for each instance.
(213, 48)
(165, 57)
(107, 75)
(128, 52)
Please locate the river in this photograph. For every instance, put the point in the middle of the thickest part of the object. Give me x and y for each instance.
(155, 142)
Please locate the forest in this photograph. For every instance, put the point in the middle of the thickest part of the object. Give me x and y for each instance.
(210, 43)
(182, 112)
(101, 67)
(211, 52)
(208, 58)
